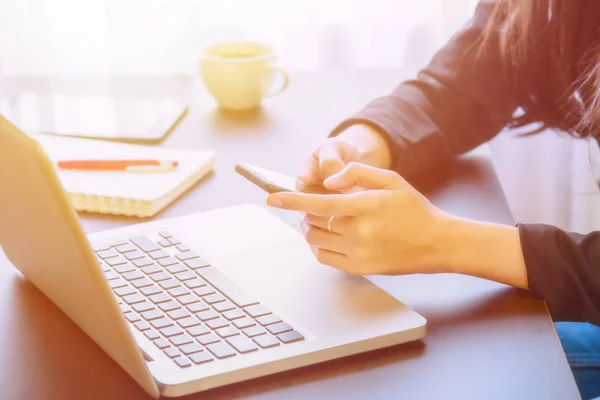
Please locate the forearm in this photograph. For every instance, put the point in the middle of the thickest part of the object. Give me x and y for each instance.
(485, 250)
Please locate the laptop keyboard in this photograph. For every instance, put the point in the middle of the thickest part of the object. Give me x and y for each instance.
(186, 307)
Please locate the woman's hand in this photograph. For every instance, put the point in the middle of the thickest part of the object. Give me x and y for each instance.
(388, 229)
(358, 143)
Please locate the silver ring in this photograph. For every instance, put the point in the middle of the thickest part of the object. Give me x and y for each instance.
(329, 221)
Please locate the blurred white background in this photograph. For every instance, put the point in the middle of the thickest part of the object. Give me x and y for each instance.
(150, 37)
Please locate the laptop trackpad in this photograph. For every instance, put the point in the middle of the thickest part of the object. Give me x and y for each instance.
(288, 279)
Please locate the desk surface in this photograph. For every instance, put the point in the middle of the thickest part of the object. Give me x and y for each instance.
(484, 340)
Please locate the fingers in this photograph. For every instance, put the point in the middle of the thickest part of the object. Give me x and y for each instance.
(340, 225)
(323, 239)
(319, 204)
(333, 156)
(331, 258)
(365, 176)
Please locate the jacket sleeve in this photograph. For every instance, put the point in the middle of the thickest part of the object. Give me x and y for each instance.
(460, 100)
(563, 268)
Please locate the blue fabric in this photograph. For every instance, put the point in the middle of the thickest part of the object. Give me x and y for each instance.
(581, 342)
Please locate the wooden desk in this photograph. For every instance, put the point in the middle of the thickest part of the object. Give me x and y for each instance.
(485, 340)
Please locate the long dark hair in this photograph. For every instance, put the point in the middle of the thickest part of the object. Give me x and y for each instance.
(552, 48)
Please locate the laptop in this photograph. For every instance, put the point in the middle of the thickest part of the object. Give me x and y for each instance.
(190, 303)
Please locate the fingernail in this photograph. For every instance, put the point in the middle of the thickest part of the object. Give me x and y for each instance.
(273, 202)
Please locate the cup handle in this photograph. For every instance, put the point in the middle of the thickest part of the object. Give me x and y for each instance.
(286, 81)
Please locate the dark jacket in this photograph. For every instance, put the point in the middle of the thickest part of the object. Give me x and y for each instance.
(464, 98)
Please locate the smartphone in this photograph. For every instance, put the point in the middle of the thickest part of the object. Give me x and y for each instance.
(269, 181)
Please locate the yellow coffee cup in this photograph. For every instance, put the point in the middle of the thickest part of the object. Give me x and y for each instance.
(240, 74)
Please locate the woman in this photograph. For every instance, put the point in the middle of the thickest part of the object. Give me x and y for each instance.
(542, 56)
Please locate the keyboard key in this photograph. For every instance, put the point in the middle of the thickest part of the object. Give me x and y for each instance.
(171, 331)
(201, 357)
(178, 314)
(123, 268)
(190, 348)
(116, 283)
(152, 314)
(124, 291)
(186, 255)
(221, 350)
(132, 317)
(165, 234)
(268, 319)
(196, 263)
(161, 276)
(134, 298)
(156, 255)
(185, 276)
(176, 268)
(174, 241)
(180, 339)
(278, 328)
(183, 247)
(197, 307)
(142, 282)
(150, 290)
(198, 330)
(141, 325)
(213, 298)
(150, 269)
(182, 362)
(195, 283)
(266, 341)
(164, 243)
(142, 262)
(161, 343)
(178, 291)
(226, 332)
(145, 243)
(253, 331)
(233, 314)
(169, 306)
(257, 310)
(165, 262)
(125, 248)
(243, 323)
(204, 291)
(188, 322)
(237, 295)
(171, 352)
(105, 254)
(207, 315)
(134, 255)
(169, 284)
(110, 275)
(188, 299)
(131, 275)
(145, 306)
(100, 246)
(161, 323)
(217, 323)
(151, 334)
(114, 261)
(104, 268)
(208, 339)
(124, 308)
(290, 337)
(224, 306)
(242, 344)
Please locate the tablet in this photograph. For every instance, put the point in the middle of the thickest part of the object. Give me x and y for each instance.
(100, 117)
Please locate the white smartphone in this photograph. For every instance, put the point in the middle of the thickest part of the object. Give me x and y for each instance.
(269, 181)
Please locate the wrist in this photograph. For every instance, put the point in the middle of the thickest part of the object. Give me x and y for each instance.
(372, 146)
(481, 249)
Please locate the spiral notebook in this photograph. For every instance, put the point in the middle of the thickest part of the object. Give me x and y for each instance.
(140, 194)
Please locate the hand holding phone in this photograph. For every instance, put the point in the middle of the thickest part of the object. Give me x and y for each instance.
(269, 181)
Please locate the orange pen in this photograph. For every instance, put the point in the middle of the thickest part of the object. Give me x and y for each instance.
(119, 165)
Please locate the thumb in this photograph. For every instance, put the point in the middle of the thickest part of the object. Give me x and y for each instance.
(365, 176)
